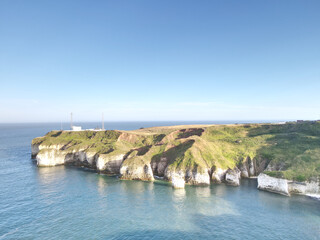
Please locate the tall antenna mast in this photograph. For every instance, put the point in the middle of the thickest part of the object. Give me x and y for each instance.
(102, 122)
(71, 124)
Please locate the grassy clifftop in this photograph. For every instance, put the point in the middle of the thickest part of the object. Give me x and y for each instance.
(293, 149)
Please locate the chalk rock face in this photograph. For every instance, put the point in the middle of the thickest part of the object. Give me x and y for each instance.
(53, 155)
(159, 167)
(177, 181)
(297, 187)
(109, 164)
(219, 175)
(136, 172)
(91, 158)
(313, 187)
(81, 158)
(197, 176)
(34, 150)
(233, 177)
(251, 166)
(272, 184)
(244, 171)
(168, 173)
(305, 188)
(286, 187)
(50, 157)
(191, 176)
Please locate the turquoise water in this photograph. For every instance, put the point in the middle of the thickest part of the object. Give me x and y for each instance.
(70, 203)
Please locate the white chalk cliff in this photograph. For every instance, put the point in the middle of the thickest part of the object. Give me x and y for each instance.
(119, 163)
(288, 187)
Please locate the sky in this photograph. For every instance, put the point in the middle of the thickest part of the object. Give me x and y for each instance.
(148, 60)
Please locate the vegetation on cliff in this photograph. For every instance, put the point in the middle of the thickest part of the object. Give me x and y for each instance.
(292, 149)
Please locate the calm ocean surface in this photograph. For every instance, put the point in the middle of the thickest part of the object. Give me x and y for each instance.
(70, 203)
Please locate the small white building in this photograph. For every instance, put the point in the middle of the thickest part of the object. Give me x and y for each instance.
(76, 128)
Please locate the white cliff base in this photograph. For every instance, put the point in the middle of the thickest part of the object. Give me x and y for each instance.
(177, 181)
(50, 157)
(272, 184)
(287, 187)
(140, 172)
(219, 175)
(109, 164)
(233, 177)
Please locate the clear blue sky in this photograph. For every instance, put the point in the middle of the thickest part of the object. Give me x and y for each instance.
(159, 60)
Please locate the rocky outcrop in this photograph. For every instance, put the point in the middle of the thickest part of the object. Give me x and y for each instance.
(219, 175)
(287, 187)
(233, 176)
(244, 170)
(81, 158)
(34, 150)
(196, 176)
(109, 164)
(252, 167)
(136, 172)
(309, 188)
(159, 167)
(46, 156)
(272, 184)
(50, 157)
(177, 181)
(53, 155)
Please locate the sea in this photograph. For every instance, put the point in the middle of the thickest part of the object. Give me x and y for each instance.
(76, 203)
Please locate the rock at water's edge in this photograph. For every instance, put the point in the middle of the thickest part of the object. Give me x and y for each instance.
(177, 181)
(233, 177)
(219, 175)
(109, 164)
(140, 172)
(50, 157)
(272, 184)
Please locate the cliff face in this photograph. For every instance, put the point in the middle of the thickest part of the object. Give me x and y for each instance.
(109, 164)
(271, 184)
(287, 187)
(198, 155)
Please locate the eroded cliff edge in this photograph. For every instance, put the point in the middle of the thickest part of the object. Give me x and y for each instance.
(286, 157)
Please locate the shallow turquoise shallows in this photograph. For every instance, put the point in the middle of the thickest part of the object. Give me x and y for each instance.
(71, 203)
